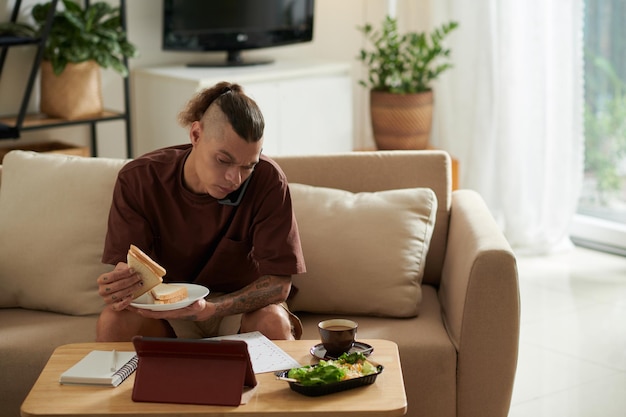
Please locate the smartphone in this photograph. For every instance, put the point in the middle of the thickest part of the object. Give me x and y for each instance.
(234, 198)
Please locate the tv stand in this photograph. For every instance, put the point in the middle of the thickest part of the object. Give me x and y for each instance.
(233, 59)
(307, 105)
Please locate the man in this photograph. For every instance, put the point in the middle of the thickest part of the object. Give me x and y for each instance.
(214, 212)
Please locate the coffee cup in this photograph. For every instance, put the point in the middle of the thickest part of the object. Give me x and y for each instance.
(337, 335)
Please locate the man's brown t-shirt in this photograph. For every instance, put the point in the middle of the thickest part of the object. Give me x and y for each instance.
(196, 238)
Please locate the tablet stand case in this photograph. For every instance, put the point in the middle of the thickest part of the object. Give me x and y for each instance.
(191, 371)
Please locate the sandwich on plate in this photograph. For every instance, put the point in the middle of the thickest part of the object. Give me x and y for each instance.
(168, 293)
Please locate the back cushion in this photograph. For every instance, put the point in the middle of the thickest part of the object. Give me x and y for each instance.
(53, 219)
(383, 170)
(364, 252)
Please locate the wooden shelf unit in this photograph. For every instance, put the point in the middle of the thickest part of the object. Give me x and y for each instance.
(12, 126)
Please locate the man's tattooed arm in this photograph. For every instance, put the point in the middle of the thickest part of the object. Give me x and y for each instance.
(268, 289)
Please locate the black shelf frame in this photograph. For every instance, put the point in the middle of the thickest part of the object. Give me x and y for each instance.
(18, 124)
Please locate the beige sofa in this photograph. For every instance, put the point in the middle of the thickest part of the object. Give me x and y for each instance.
(459, 352)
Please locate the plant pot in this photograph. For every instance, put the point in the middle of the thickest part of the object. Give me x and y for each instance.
(401, 121)
(75, 93)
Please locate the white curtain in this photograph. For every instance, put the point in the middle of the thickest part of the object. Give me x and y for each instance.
(511, 111)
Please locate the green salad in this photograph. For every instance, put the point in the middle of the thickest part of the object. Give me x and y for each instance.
(347, 366)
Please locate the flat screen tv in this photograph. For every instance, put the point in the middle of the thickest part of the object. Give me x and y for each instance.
(234, 26)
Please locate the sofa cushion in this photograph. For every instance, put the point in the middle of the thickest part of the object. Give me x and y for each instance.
(364, 252)
(53, 219)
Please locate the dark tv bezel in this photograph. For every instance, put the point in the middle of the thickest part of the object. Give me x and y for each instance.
(235, 42)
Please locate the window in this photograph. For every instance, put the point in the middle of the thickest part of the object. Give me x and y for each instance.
(601, 219)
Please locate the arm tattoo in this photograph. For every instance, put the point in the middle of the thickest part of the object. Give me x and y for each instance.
(264, 291)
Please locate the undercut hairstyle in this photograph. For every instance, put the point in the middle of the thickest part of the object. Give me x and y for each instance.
(241, 111)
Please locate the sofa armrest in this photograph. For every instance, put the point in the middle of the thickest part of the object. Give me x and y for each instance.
(479, 294)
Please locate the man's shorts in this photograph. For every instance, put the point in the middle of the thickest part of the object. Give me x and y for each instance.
(220, 326)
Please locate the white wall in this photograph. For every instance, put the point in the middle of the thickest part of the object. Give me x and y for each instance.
(335, 38)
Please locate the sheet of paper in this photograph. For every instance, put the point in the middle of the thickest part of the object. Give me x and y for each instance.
(265, 355)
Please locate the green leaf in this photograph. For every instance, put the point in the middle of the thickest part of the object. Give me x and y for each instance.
(317, 375)
(17, 29)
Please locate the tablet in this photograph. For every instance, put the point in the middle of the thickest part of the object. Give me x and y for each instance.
(191, 371)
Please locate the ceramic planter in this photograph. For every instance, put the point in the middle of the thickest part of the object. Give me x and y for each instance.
(75, 93)
(401, 121)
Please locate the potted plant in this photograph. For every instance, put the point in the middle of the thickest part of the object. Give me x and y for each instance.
(401, 69)
(81, 40)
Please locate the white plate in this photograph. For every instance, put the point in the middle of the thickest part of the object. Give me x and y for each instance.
(194, 293)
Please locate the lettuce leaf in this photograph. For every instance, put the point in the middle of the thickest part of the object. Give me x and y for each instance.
(317, 375)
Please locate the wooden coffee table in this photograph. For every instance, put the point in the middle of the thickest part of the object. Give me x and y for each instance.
(386, 397)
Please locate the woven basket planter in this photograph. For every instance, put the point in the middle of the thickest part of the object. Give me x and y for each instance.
(401, 121)
(75, 93)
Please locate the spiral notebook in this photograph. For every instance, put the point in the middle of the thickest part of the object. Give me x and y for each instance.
(101, 367)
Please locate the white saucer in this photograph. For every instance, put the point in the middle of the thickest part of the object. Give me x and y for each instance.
(194, 293)
(320, 353)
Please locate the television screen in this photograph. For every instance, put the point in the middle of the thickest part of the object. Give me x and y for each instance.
(235, 25)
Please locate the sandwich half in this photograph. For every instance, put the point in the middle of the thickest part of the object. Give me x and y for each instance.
(151, 272)
(168, 293)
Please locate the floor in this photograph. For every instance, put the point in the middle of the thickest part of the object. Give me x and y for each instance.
(572, 359)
